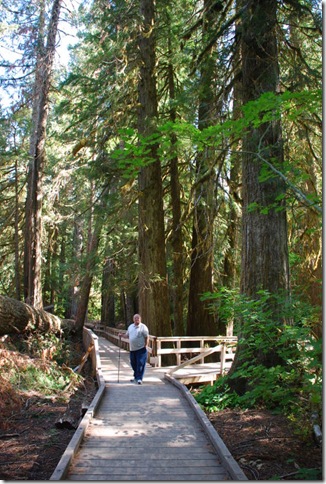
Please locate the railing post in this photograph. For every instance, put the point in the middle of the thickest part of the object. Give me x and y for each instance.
(202, 345)
(179, 354)
(223, 358)
(154, 353)
(159, 357)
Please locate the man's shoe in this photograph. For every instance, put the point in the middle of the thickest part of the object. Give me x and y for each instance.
(133, 380)
(139, 382)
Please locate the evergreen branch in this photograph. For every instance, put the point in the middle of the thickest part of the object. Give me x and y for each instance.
(294, 188)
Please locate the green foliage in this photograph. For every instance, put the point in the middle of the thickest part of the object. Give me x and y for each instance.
(39, 365)
(304, 474)
(37, 344)
(46, 380)
(290, 381)
(218, 396)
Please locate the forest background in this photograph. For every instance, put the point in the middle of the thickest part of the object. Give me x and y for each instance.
(174, 168)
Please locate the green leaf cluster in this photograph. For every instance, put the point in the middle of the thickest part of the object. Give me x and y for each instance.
(292, 386)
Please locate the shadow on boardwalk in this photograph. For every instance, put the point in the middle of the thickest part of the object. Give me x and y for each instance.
(153, 431)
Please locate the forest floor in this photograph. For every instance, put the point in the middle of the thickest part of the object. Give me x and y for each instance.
(263, 443)
(266, 446)
(35, 429)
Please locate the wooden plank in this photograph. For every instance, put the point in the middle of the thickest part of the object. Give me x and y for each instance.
(197, 338)
(151, 477)
(196, 358)
(157, 463)
(146, 432)
(177, 351)
(161, 472)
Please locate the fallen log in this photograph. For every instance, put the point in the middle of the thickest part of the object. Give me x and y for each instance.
(69, 420)
(18, 317)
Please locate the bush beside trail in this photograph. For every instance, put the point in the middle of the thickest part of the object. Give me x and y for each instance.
(37, 388)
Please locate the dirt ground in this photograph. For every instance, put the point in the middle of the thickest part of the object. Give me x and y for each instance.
(266, 446)
(31, 440)
(31, 444)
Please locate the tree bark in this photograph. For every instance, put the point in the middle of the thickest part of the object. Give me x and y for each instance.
(17, 237)
(177, 290)
(73, 291)
(107, 295)
(83, 295)
(231, 272)
(264, 226)
(153, 288)
(33, 218)
(200, 321)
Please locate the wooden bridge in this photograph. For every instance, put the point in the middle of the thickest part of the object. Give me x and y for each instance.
(153, 431)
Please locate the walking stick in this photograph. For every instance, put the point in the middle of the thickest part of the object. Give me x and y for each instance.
(119, 359)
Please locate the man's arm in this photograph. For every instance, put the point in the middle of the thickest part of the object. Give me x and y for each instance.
(124, 335)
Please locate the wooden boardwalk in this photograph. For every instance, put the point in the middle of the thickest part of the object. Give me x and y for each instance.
(153, 431)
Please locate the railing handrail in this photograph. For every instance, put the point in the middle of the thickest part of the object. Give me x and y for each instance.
(196, 338)
(155, 350)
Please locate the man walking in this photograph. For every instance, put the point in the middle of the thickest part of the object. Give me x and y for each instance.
(138, 336)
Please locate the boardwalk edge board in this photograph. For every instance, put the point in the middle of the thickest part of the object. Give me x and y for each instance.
(61, 470)
(223, 452)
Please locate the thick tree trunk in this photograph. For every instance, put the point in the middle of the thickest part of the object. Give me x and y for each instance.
(153, 288)
(177, 290)
(33, 222)
(18, 317)
(129, 305)
(177, 252)
(231, 272)
(230, 276)
(264, 228)
(200, 320)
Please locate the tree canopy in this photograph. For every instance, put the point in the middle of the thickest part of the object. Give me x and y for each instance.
(177, 157)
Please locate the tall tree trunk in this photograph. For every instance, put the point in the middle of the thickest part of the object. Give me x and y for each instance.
(177, 290)
(84, 292)
(153, 288)
(51, 271)
(17, 255)
(129, 306)
(200, 320)
(91, 257)
(264, 228)
(74, 283)
(33, 219)
(230, 278)
(107, 295)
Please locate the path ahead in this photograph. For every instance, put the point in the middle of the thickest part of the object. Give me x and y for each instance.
(148, 432)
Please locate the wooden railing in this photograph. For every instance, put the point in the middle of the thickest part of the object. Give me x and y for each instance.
(180, 346)
(175, 345)
(90, 340)
(225, 355)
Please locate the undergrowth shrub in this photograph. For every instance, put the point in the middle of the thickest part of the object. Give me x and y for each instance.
(37, 363)
(46, 380)
(293, 386)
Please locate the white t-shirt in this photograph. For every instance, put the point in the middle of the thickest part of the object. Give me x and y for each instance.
(137, 336)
